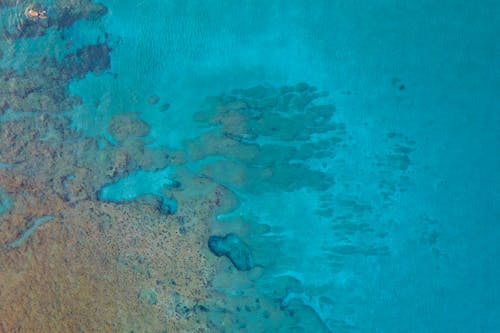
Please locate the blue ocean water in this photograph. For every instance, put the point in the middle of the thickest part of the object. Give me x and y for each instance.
(397, 231)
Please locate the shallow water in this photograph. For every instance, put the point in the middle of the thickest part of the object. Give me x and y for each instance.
(350, 147)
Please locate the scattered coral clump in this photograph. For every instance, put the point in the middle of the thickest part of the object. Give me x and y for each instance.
(124, 126)
(267, 135)
(234, 249)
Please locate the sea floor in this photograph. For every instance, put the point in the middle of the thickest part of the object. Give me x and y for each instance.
(252, 166)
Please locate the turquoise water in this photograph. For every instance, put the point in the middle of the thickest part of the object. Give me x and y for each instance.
(386, 219)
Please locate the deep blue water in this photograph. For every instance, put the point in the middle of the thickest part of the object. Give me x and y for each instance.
(406, 237)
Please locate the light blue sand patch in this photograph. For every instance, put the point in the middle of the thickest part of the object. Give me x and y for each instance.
(4, 201)
(35, 223)
(10, 115)
(140, 183)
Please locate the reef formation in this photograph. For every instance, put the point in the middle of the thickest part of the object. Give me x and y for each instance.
(264, 137)
(74, 259)
(59, 14)
(234, 249)
(70, 262)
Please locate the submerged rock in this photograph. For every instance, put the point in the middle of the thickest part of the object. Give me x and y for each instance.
(153, 99)
(65, 12)
(234, 249)
(89, 58)
(126, 125)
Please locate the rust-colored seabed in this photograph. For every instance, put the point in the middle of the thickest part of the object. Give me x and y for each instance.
(101, 267)
(91, 266)
(96, 266)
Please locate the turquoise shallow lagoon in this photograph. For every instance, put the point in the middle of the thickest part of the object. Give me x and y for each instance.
(358, 142)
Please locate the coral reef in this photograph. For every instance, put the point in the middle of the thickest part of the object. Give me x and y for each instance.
(266, 135)
(93, 258)
(44, 88)
(127, 125)
(95, 266)
(234, 249)
(73, 259)
(60, 14)
(67, 12)
(89, 58)
(126, 265)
